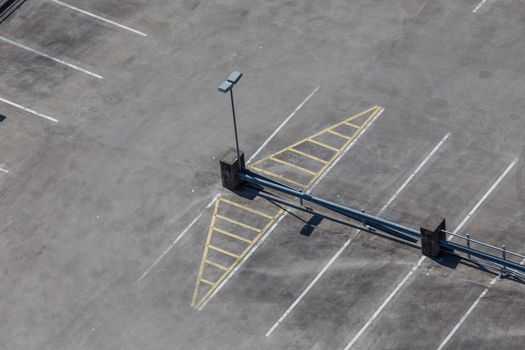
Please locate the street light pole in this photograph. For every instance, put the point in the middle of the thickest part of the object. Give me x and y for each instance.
(235, 125)
(224, 88)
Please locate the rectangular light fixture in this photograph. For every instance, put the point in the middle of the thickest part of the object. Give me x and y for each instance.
(235, 77)
(226, 86)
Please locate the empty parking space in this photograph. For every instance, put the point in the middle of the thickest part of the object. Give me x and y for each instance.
(426, 305)
(29, 73)
(495, 321)
(100, 18)
(142, 16)
(71, 36)
(22, 136)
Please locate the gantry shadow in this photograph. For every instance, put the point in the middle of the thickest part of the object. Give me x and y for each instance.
(487, 268)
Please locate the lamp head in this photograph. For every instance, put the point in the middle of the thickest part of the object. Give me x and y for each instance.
(234, 77)
(225, 87)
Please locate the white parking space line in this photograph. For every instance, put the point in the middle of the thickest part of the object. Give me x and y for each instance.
(43, 54)
(423, 163)
(467, 314)
(491, 189)
(28, 110)
(71, 7)
(172, 244)
(282, 125)
(416, 266)
(480, 5)
(307, 289)
(347, 243)
(469, 311)
(267, 234)
(5, 171)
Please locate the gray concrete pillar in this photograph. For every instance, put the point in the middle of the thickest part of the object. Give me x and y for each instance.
(230, 166)
(432, 231)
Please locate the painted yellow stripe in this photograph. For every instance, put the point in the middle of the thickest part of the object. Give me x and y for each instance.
(238, 223)
(338, 152)
(225, 252)
(339, 134)
(275, 217)
(307, 155)
(240, 206)
(232, 266)
(208, 282)
(205, 254)
(353, 125)
(232, 235)
(217, 265)
(377, 109)
(267, 172)
(323, 144)
(346, 121)
(300, 168)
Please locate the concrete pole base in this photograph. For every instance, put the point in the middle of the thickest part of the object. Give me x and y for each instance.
(230, 166)
(432, 231)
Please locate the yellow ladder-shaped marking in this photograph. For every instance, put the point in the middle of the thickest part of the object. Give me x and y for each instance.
(217, 265)
(323, 145)
(308, 171)
(333, 132)
(232, 235)
(267, 172)
(248, 209)
(197, 300)
(203, 286)
(352, 125)
(238, 223)
(307, 155)
(356, 121)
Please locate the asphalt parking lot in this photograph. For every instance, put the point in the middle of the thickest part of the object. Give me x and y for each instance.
(115, 231)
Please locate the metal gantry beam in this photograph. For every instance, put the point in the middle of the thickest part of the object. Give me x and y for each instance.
(8, 6)
(386, 226)
(389, 227)
(484, 256)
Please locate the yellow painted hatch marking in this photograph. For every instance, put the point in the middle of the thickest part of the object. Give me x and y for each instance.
(323, 145)
(208, 282)
(197, 302)
(232, 235)
(307, 155)
(333, 132)
(372, 111)
(238, 223)
(300, 168)
(240, 206)
(223, 251)
(217, 265)
(279, 176)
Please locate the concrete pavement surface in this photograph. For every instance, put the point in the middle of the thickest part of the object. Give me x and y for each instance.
(115, 231)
